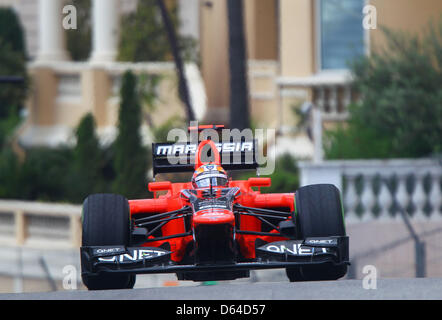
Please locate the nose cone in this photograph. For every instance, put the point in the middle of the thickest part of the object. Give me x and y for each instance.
(213, 216)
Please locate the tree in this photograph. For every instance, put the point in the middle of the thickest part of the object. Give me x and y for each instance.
(182, 81)
(284, 179)
(131, 162)
(85, 175)
(400, 113)
(79, 41)
(11, 31)
(239, 100)
(12, 63)
(142, 34)
(145, 37)
(43, 175)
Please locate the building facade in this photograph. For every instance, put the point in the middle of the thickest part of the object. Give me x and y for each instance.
(298, 52)
(297, 56)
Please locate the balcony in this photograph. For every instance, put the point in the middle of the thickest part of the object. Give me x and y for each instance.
(330, 92)
(63, 92)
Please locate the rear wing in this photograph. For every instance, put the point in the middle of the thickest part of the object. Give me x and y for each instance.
(180, 157)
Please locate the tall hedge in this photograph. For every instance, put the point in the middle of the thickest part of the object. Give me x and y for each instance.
(85, 175)
(131, 157)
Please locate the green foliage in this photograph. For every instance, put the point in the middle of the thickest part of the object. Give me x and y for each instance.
(356, 140)
(47, 169)
(8, 124)
(47, 174)
(148, 95)
(87, 143)
(9, 174)
(42, 176)
(70, 174)
(131, 160)
(62, 174)
(189, 51)
(147, 89)
(286, 175)
(401, 110)
(85, 175)
(284, 179)
(11, 31)
(160, 132)
(79, 41)
(143, 36)
(58, 175)
(147, 92)
(12, 63)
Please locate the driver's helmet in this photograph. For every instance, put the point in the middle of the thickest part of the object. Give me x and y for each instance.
(209, 175)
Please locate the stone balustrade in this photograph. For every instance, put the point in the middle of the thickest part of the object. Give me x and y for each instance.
(378, 189)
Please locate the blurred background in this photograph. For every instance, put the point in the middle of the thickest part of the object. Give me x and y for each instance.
(353, 89)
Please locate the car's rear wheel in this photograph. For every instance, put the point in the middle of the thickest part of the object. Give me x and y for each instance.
(318, 213)
(106, 222)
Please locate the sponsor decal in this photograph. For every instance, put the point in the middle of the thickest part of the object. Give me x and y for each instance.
(107, 251)
(292, 248)
(135, 255)
(319, 241)
(164, 150)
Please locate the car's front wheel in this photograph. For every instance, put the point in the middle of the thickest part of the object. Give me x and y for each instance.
(318, 213)
(106, 222)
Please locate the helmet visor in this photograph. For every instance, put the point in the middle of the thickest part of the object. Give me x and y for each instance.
(214, 181)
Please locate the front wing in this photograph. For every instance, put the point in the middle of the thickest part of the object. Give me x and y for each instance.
(279, 254)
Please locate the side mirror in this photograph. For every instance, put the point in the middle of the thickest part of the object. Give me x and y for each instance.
(259, 182)
(160, 186)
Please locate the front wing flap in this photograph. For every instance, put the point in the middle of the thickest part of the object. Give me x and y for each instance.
(280, 254)
(327, 249)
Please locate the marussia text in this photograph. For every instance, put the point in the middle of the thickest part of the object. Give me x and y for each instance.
(179, 148)
(223, 309)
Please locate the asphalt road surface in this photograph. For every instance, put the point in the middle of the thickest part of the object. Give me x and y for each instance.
(386, 289)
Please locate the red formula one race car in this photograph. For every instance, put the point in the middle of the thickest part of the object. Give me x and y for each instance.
(213, 227)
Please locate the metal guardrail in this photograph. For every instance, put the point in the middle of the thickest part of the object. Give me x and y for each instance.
(33, 223)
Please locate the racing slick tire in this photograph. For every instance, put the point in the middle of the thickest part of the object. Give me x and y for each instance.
(318, 213)
(106, 222)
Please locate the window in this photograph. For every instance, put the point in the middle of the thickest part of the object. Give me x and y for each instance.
(341, 35)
